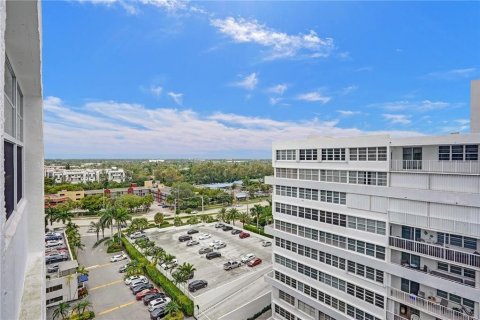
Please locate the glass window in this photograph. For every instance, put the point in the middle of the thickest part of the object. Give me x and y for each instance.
(470, 243)
(444, 153)
(457, 152)
(19, 173)
(471, 152)
(9, 167)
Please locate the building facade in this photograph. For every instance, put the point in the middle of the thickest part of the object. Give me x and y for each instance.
(376, 227)
(22, 268)
(74, 176)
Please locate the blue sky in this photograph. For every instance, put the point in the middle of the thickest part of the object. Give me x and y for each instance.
(174, 79)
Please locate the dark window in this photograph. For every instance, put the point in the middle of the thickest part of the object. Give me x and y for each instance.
(19, 174)
(457, 152)
(470, 243)
(444, 153)
(9, 167)
(471, 152)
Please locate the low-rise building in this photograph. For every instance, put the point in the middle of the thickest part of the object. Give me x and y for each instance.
(61, 175)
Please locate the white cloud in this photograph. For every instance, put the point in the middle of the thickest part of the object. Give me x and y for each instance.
(348, 113)
(247, 83)
(348, 90)
(156, 90)
(281, 45)
(313, 97)
(453, 74)
(169, 5)
(421, 106)
(364, 69)
(275, 101)
(133, 6)
(278, 89)
(177, 97)
(397, 118)
(112, 129)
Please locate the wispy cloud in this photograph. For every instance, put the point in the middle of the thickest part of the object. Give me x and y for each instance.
(364, 69)
(128, 130)
(177, 97)
(133, 6)
(348, 113)
(313, 97)
(275, 101)
(280, 44)
(453, 74)
(156, 90)
(348, 90)
(419, 106)
(247, 83)
(397, 118)
(278, 89)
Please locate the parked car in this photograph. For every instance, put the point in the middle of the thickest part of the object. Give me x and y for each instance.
(247, 257)
(169, 265)
(196, 285)
(184, 238)
(266, 243)
(54, 243)
(118, 257)
(205, 250)
(137, 282)
(137, 234)
(236, 231)
(254, 262)
(192, 243)
(204, 236)
(227, 228)
(143, 293)
(244, 235)
(192, 231)
(53, 234)
(132, 278)
(220, 245)
(215, 242)
(52, 269)
(53, 238)
(212, 255)
(231, 265)
(159, 313)
(123, 269)
(55, 258)
(219, 225)
(152, 296)
(141, 287)
(158, 303)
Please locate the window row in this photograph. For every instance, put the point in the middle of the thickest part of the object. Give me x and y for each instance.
(358, 246)
(56, 299)
(284, 313)
(368, 154)
(456, 299)
(324, 316)
(365, 271)
(325, 298)
(286, 173)
(333, 154)
(54, 288)
(308, 309)
(286, 297)
(467, 273)
(332, 281)
(312, 194)
(286, 154)
(457, 240)
(338, 219)
(458, 152)
(286, 191)
(308, 154)
(367, 177)
(338, 176)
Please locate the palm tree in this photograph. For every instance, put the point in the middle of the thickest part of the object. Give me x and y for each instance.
(64, 215)
(222, 214)
(71, 228)
(50, 215)
(107, 218)
(187, 269)
(172, 308)
(96, 226)
(257, 210)
(233, 214)
(61, 311)
(121, 215)
(84, 305)
(82, 270)
(177, 221)
(167, 259)
(204, 218)
(158, 255)
(245, 218)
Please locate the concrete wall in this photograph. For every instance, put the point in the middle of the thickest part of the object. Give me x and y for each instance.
(475, 106)
(249, 309)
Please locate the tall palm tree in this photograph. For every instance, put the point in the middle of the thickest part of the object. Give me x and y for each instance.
(62, 310)
(233, 214)
(172, 308)
(121, 216)
(257, 210)
(245, 218)
(84, 305)
(96, 226)
(158, 256)
(82, 270)
(64, 215)
(107, 218)
(50, 215)
(222, 215)
(187, 269)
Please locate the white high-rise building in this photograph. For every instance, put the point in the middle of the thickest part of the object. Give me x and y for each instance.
(22, 261)
(376, 227)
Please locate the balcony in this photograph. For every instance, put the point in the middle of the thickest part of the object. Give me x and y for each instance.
(432, 250)
(429, 305)
(454, 166)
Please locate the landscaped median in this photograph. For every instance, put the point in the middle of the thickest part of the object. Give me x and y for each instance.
(159, 279)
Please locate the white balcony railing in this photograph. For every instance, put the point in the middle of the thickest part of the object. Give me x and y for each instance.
(454, 166)
(429, 306)
(393, 316)
(436, 251)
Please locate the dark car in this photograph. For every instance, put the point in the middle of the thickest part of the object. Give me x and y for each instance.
(184, 238)
(244, 235)
(205, 250)
(55, 258)
(141, 287)
(159, 313)
(227, 228)
(212, 255)
(196, 285)
(236, 231)
(152, 296)
(192, 231)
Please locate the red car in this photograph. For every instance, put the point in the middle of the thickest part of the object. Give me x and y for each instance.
(254, 262)
(143, 293)
(244, 235)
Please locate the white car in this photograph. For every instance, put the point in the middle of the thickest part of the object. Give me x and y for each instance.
(204, 236)
(266, 243)
(118, 257)
(215, 242)
(170, 264)
(53, 234)
(132, 278)
(138, 281)
(220, 245)
(54, 243)
(247, 257)
(158, 303)
(137, 234)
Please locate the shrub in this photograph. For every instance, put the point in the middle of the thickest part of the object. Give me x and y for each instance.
(114, 247)
(176, 316)
(165, 224)
(84, 316)
(151, 225)
(188, 211)
(159, 279)
(254, 229)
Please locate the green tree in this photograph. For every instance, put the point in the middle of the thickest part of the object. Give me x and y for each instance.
(245, 218)
(233, 215)
(159, 218)
(82, 270)
(107, 218)
(61, 310)
(64, 214)
(93, 203)
(139, 223)
(97, 226)
(84, 305)
(177, 221)
(51, 214)
(147, 202)
(222, 215)
(121, 216)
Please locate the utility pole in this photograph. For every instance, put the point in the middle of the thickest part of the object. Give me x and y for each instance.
(202, 204)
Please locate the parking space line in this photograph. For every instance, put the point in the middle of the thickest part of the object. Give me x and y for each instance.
(98, 266)
(115, 308)
(106, 285)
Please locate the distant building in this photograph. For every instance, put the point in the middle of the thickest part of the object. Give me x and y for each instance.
(117, 192)
(156, 160)
(75, 176)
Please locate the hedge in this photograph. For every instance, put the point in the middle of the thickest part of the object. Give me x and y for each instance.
(159, 279)
(84, 316)
(114, 247)
(258, 314)
(254, 229)
(177, 316)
